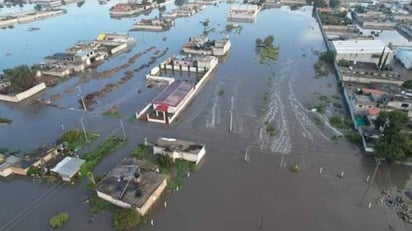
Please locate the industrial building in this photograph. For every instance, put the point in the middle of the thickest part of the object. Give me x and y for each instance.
(179, 149)
(128, 185)
(366, 51)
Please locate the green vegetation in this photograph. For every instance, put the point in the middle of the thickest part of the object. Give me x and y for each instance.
(340, 122)
(270, 128)
(337, 105)
(328, 56)
(320, 69)
(59, 220)
(21, 78)
(94, 157)
(34, 171)
(335, 18)
(407, 84)
(294, 168)
(126, 219)
(335, 138)
(334, 3)
(76, 139)
(221, 92)
(175, 170)
(319, 3)
(5, 120)
(343, 63)
(98, 205)
(321, 108)
(353, 137)
(267, 51)
(113, 113)
(394, 144)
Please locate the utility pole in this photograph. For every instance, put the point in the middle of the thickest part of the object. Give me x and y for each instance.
(378, 162)
(231, 115)
(84, 130)
(82, 99)
(124, 132)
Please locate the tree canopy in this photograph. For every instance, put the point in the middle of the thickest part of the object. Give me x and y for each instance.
(126, 219)
(21, 78)
(393, 143)
(407, 84)
(334, 3)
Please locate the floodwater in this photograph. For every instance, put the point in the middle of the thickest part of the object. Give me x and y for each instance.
(227, 193)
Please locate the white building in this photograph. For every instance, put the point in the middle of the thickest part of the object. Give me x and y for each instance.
(367, 51)
(68, 168)
(179, 149)
(49, 3)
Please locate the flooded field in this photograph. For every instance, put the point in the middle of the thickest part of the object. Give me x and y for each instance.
(272, 121)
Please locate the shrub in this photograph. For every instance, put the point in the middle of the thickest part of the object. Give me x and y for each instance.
(354, 137)
(126, 219)
(59, 220)
(407, 84)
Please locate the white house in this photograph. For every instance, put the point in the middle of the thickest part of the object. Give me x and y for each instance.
(367, 51)
(179, 149)
(68, 168)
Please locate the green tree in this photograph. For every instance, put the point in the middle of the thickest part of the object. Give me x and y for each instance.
(180, 2)
(21, 78)
(407, 84)
(334, 3)
(59, 220)
(328, 56)
(268, 41)
(126, 219)
(319, 3)
(393, 143)
(258, 42)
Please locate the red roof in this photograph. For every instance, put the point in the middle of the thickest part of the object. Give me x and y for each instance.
(372, 91)
(374, 111)
(162, 107)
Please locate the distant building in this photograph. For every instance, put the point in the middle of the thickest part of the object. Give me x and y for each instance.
(179, 149)
(243, 13)
(128, 185)
(49, 3)
(68, 168)
(405, 57)
(366, 51)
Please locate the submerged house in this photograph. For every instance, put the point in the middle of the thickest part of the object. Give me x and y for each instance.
(179, 149)
(129, 185)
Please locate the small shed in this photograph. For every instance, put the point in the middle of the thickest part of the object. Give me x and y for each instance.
(68, 167)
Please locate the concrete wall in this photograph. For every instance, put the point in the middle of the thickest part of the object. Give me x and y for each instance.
(152, 199)
(23, 95)
(119, 48)
(367, 58)
(113, 200)
(370, 80)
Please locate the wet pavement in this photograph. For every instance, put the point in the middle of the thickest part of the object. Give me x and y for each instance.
(227, 193)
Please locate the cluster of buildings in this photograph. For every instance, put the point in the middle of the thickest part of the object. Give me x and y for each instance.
(85, 54)
(177, 94)
(243, 13)
(186, 10)
(155, 24)
(372, 67)
(131, 184)
(9, 20)
(48, 159)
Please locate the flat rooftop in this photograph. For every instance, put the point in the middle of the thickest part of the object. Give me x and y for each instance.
(119, 183)
(178, 145)
(173, 94)
(359, 46)
(68, 166)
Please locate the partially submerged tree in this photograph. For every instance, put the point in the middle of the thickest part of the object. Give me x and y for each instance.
(393, 143)
(126, 219)
(21, 78)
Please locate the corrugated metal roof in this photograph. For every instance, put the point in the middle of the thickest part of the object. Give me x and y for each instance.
(68, 166)
(360, 46)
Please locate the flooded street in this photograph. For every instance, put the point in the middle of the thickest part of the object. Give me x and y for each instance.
(227, 193)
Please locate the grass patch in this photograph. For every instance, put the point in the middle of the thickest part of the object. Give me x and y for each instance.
(340, 122)
(59, 220)
(353, 137)
(5, 120)
(321, 108)
(94, 157)
(269, 54)
(99, 205)
(113, 112)
(320, 69)
(221, 92)
(336, 97)
(337, 105)
(76, 139)
(294, 168)
(335, 138)
(270, 129)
